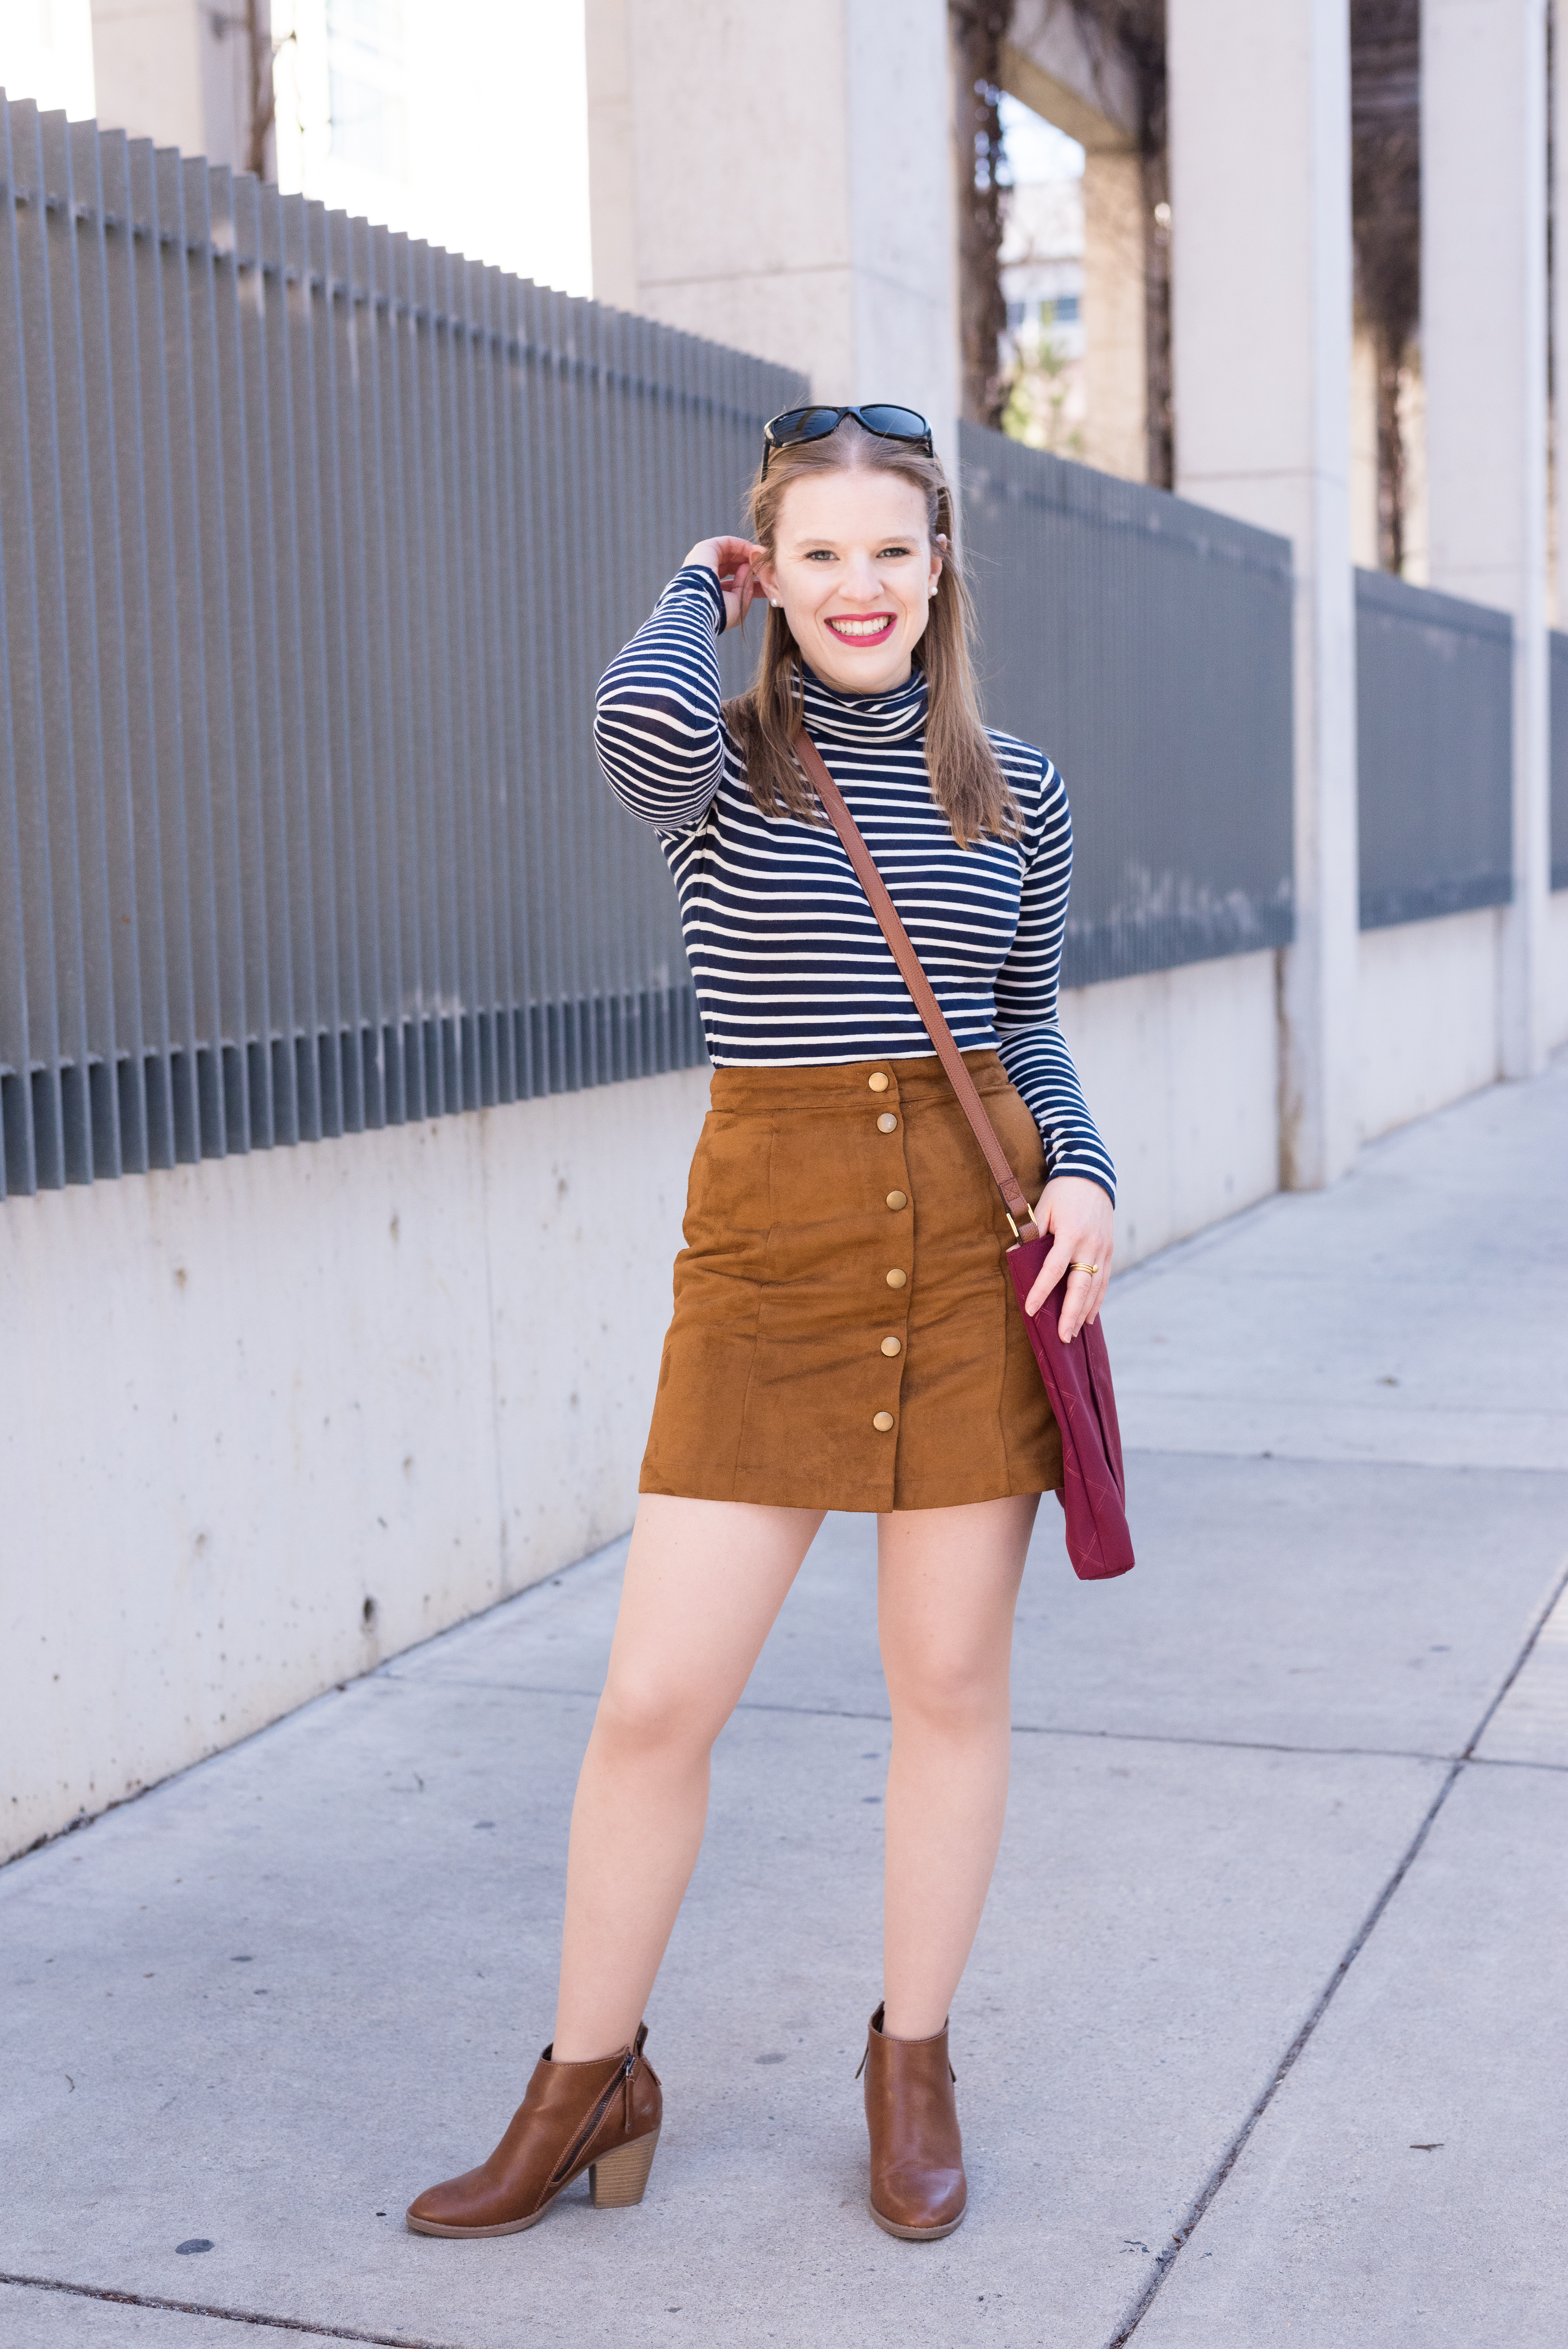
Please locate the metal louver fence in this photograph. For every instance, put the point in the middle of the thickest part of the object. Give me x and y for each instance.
(313, 543)
(1434, 711)
(1145, 644)
(1559, 645)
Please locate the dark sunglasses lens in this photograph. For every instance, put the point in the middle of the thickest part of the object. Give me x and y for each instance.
(798, 424)
(897, 423)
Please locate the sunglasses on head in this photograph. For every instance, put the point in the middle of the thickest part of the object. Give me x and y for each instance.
(798, 424)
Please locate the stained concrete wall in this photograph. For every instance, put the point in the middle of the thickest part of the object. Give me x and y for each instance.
(266, 1421)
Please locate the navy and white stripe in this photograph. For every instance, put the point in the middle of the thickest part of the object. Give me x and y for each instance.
(789, 964)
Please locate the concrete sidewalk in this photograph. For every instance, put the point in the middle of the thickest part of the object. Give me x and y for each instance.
(1265, 2036)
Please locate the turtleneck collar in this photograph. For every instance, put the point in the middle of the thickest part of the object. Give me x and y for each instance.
(865, 718)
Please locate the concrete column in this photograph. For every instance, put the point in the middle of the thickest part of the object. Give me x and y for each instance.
(1047, 65)
(178, 71)
(1483, 343)
(1559, 302)
(1260, 200)
(1116, 367)
(784, 185)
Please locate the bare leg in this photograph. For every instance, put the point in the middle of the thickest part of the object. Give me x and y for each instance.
(947, 1583)
(704, 1582)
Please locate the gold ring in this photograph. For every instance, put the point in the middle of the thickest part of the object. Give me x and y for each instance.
(1076, 1266)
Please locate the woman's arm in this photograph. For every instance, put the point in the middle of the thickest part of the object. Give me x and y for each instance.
(1076, 1207)
(656, 724)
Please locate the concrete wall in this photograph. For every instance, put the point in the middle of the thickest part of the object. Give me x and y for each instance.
(1427, 1015)
(1557, 969)
(1182, 1072)
(240, 1400)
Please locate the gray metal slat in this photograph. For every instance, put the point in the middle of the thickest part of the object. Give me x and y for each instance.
(359, 865)
(68, 733)
(457, 387)
(400, 865)
(530, 876)
(161, 804)
(447, 769)
(563, 622)
(107, 848)
(245, 1043)
(319, 779)
(511, 911)
(487, 476)
(29, 1029)
(340, 1010)
(296, 1073)
(196, 1079)
(274, 1081)
(375, 758)
(142, 979)
(220, 1063)
(413, 345)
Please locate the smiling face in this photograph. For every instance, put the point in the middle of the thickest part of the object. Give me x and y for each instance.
(854, 568)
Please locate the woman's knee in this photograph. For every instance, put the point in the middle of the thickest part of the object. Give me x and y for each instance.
(956, 1693)
(647, 1713)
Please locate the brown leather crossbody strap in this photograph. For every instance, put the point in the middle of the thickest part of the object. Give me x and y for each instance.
(1019, 1213)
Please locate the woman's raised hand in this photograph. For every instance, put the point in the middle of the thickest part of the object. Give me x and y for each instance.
(1078, 1218)
(735, 560)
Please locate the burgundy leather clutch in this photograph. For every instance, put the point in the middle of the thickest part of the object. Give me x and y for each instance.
(1078, 1380)
(1077, 1377)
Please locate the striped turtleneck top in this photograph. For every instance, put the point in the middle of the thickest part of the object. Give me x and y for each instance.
(789, 965)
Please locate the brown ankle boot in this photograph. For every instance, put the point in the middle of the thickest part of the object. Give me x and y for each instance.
(601, 2116)
(918, 2187)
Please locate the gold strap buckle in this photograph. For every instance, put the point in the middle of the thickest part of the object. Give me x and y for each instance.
(1014, 1226)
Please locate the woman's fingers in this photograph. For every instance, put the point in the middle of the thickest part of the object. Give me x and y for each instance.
(1076, 1305)
(1078, 1217)
(1050, 1272)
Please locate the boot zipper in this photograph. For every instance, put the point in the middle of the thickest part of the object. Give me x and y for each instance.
(623, 2078)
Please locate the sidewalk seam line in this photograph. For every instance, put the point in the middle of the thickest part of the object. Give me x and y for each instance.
(1166, 2259)
(324, 2331)
(1034, 1728)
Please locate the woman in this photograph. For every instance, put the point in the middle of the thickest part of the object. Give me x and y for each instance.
(843, 1336)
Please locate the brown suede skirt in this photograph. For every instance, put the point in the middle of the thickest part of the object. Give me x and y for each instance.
(845, 1334)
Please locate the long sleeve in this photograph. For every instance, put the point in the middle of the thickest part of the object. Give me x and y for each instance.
(657, 725)
(1032, 1047)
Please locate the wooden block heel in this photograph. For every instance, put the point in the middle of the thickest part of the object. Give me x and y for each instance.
(617, 2180)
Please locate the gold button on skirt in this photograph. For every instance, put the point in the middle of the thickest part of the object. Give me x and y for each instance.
(827, 1349)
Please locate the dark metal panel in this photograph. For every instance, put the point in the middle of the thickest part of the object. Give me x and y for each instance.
(1435, 733)
(356, 526)
(1145, 645)
(1559, 760)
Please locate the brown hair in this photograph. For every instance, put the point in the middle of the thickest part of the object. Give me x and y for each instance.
(966, 782)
